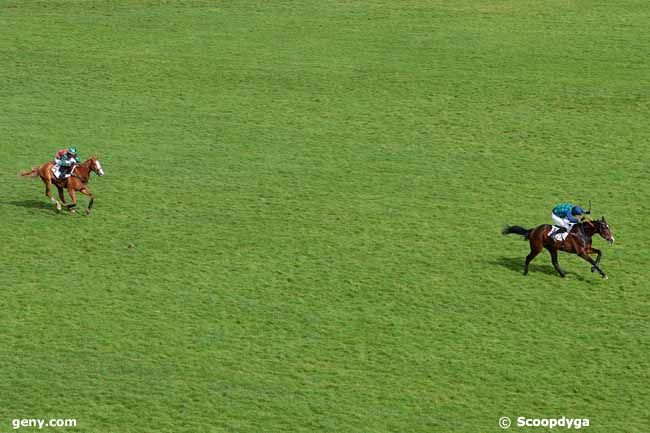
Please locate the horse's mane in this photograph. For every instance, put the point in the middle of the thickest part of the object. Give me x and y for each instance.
(594, 225)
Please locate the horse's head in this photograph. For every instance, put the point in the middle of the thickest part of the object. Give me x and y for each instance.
(604, 230)
(96, 166)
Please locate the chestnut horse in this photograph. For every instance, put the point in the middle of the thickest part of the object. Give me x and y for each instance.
(578, 241)
(77, 181)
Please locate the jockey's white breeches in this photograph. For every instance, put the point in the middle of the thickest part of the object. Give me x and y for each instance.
(562, 222)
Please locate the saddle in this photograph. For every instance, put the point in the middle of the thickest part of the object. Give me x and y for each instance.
(558, 236)
(56, 172)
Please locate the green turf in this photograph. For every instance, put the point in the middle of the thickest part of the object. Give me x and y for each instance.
(313, 193)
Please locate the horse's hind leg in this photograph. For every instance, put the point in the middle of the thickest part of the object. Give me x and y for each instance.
(556, 265)
(534, 250)
(48, 194)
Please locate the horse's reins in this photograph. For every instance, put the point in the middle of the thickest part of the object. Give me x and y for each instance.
(73, 174)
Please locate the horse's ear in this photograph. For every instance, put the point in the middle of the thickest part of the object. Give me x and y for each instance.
(603, 217)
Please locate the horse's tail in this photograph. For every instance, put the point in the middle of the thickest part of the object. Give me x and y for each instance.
(518, 230)
(32, 173)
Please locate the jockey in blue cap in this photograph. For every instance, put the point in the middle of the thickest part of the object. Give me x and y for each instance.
(565, 215)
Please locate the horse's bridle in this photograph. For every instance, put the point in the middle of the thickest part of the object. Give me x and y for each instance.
(598, 226)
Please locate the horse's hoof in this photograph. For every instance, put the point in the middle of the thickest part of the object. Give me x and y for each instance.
(605, 277)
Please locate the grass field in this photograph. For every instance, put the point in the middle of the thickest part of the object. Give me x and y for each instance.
(299, 228)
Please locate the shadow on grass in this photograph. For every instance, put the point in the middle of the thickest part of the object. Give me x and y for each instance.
(516, 264)
(32, 204)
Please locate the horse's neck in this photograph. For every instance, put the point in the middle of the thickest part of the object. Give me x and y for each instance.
(83, 170)
(587, 229)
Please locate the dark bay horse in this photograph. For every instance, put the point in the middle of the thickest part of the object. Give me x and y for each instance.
(78, 181)
(578, 241)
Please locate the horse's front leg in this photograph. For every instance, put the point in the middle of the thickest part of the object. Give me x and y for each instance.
(61, 196)
(584, 255)
(600, 255)
(87, 192)
(71, 207)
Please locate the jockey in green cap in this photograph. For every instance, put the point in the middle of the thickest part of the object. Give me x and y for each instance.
(65, 160)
